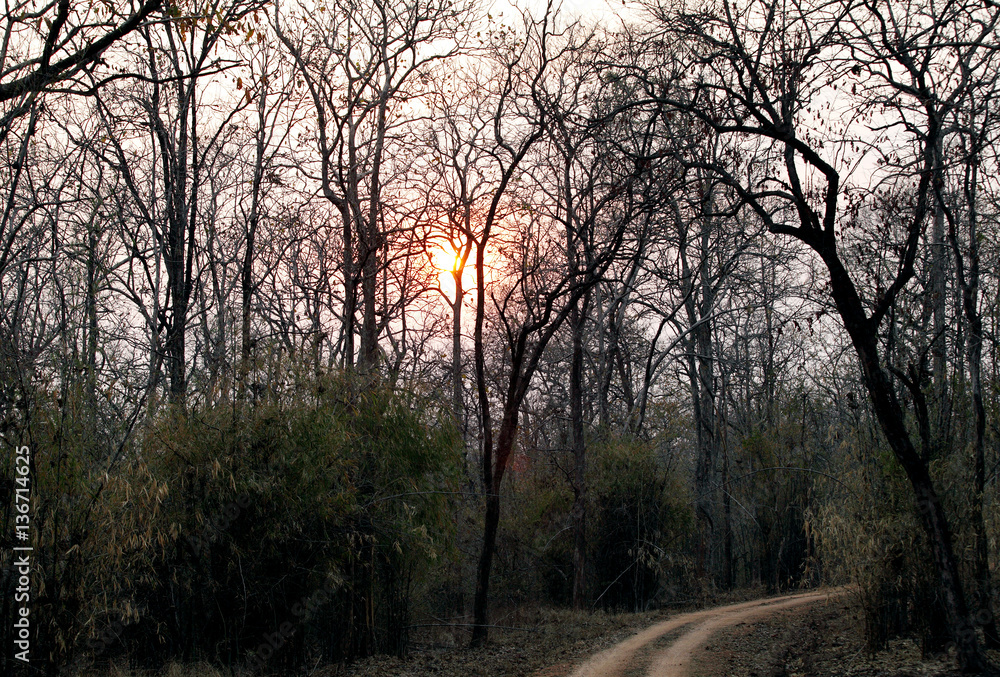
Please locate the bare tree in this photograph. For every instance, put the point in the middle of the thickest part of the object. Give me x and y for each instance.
(977, 126)
(598, 190)
(457, 186)
(274, 119)
(756, 71)
(36, 59)
(358, 60)
(558, 253)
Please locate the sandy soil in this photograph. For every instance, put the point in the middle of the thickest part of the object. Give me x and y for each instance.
(813, 634)
(628, 658)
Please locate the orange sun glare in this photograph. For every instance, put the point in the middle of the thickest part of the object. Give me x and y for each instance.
(446, 259)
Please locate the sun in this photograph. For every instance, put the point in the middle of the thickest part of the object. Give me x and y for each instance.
(446, 259)
(449, 268)
(447, 265)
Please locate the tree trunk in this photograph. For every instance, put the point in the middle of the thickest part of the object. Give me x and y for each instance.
(938, 299)
(480, 611)
(90, 360)
(246, 270)
(481, 600)
(493, 477)
(984, 583)
(702, 368)
(369, 325)
(457, 405)
(891, 419)
(968, 281)
(728, 580)
(579, 512)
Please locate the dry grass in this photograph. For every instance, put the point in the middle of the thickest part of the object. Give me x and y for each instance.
(549, 643)
(819, 641)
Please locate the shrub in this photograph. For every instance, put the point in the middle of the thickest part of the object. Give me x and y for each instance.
(867, 533)
(641, 521)
(257, 534)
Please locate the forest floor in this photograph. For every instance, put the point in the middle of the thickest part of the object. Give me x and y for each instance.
(809, 634)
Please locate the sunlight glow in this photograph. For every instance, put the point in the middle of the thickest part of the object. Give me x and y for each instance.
(446, 260)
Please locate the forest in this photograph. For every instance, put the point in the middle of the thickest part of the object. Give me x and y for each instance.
(339, 320)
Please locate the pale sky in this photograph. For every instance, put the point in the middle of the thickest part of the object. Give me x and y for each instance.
(589, 10)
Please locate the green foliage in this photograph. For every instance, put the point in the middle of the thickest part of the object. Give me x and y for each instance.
(866, 532)
(638, 522)
(535, 543)
(223, 525)
(69, 449)
(641, 520)
(780, 489)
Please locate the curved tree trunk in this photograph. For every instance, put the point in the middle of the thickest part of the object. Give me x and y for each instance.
(891, 419)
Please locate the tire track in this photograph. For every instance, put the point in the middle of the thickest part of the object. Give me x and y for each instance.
(673, 661)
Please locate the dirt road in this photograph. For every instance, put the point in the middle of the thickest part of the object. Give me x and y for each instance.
(672, 658)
